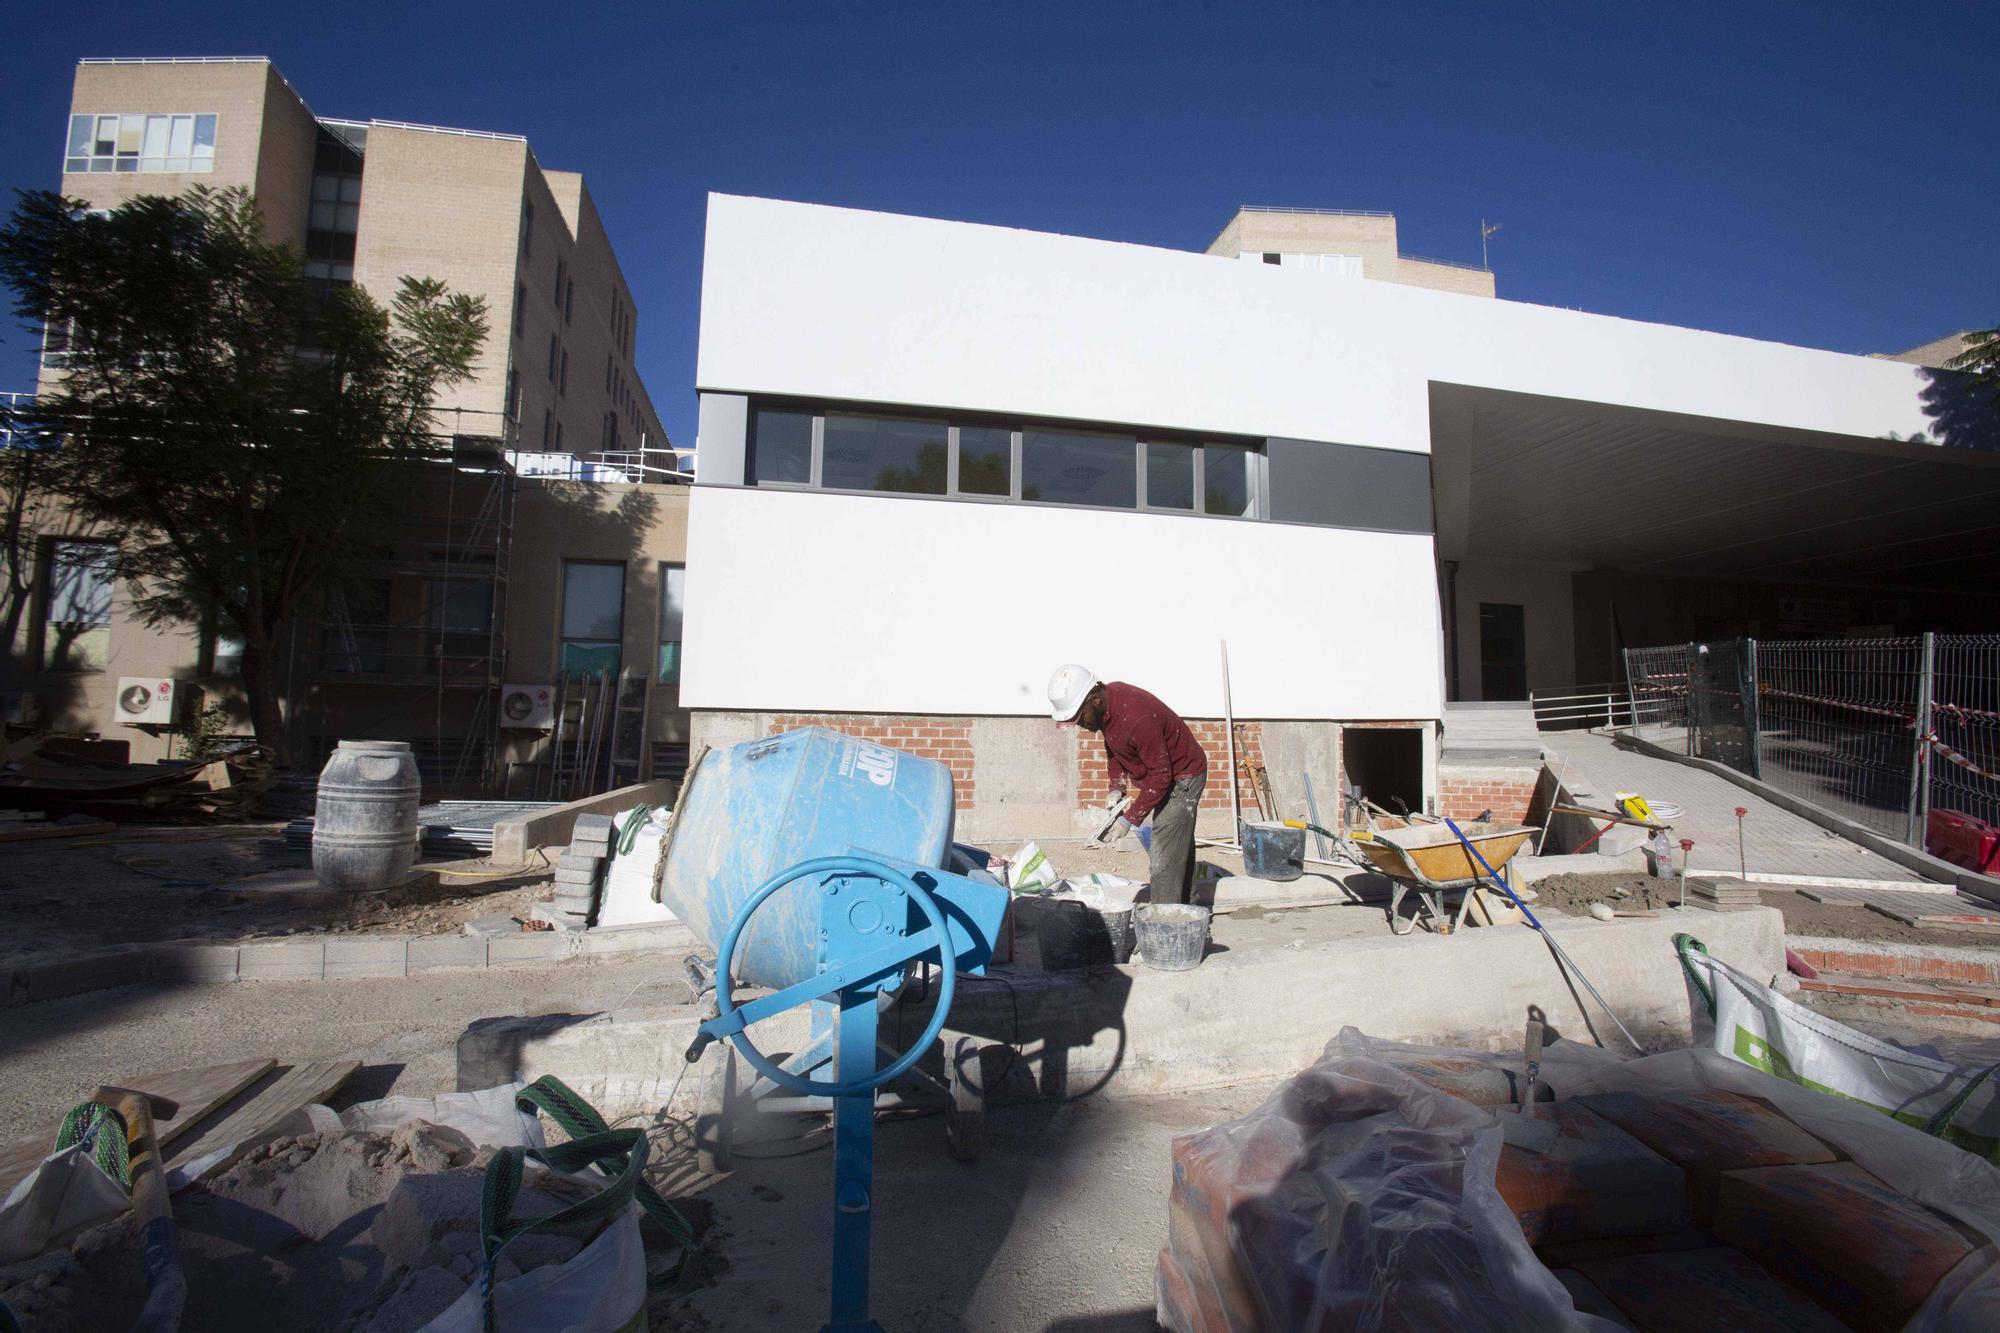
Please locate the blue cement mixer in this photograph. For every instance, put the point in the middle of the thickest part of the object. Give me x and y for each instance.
(814, 863)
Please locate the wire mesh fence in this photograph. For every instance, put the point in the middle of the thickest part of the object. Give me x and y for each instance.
(1901, 736)
(1836, 725)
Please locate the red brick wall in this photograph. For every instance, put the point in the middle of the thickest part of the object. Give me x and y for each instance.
(1093, 774)
(946, 740)
(1464, 792)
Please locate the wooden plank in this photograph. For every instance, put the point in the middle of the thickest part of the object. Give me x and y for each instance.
(301, 1085)
(199, 1092)
(56, 831)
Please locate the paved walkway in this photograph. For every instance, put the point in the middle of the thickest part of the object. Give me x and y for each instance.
(1775, 841)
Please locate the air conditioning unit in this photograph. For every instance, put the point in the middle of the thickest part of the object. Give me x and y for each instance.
(527, 707)
(18, 708)
(147, 701)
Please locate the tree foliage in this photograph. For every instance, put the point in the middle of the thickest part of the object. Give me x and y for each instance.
(242, 429)
(1980, 358)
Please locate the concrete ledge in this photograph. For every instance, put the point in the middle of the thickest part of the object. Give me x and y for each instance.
(1930, 867)
(1907, 962)
(1252, 1015)
(514, 838)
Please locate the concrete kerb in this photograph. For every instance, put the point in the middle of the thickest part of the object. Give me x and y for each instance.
(1242, 1016)
(330, 957)
(514, 838)
(1930, 867)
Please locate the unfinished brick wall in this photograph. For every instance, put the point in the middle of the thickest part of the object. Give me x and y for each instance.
(1093, 772)
(947, 740)
(1507, 792)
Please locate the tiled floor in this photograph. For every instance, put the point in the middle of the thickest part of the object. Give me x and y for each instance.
(1775, 841)
(1908, 903)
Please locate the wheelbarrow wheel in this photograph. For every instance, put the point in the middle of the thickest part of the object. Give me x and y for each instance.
(965, 1111)
(718, 1094)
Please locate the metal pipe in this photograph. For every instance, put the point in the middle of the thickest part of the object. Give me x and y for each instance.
(1229, 742)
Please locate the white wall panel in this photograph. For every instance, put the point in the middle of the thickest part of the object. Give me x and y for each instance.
(805, 601)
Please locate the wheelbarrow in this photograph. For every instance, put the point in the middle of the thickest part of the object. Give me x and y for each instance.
(1431, 860)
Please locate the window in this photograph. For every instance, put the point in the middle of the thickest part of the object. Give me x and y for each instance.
(459, 614)
(593, 618)
(781, 447)
(225, 649)
(569, 299)
(1274, 259)
(673, 597)
(548, 429)
(559, 437)
(1228, 480)
(562, 271)
(527, 227)
(520, 308)
(985, 460)
(141, 143)
(554, 346)
(562, 380)
(607, 372)
(1071, 467)
(1170, 476)
(883, 454)
(513, 395)
(76, 599)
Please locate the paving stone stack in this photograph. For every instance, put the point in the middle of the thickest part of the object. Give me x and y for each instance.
(580, 871)
(1723, 894)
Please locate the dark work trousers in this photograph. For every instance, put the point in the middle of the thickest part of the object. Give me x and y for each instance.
(1172, 857)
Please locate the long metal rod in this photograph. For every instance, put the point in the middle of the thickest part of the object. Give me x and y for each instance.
(1312, 811)
(1562, 958)
(1229, 742)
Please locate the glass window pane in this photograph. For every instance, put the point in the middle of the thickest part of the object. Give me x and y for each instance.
(1226, 483)
(670, 664)
(1170, 476)
(79, 136)
(131, 133)
(883, 454)
(100, 164)
(156, 137)
(322, 217)
(80, 583)
(589, 659)
(326, 187)
(593, 601)
(350, 189)
(180, 142)
(204, 136)
(1067, 467)
(106, 142)
(673, 595)
(76, 164)
(781, 448)
(348, 218)
(985, 460)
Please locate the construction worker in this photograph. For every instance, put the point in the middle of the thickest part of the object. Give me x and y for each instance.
(1152, 754)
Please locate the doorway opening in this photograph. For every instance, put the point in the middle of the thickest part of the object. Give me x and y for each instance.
(1385, 765)
(1503, 651)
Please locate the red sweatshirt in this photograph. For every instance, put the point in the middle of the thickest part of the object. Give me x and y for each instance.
(1146, 743)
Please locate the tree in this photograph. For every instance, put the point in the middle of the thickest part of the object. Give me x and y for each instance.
(1980, 359)
(244, 430)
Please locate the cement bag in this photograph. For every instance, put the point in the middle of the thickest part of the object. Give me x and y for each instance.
(635, 867)
(601, 1290)
(1356, 1197)
(67, 1192)
(1761, 1028)
(1029, 871)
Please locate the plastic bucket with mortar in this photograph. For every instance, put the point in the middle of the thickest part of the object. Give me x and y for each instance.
(1171, 936)
(1273, 851)
(1075, 934)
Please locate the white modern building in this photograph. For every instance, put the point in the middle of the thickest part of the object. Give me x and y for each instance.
(937, 459)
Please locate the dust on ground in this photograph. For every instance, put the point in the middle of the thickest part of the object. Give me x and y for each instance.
(1081, 857)
(137, 886)
(1573, 894)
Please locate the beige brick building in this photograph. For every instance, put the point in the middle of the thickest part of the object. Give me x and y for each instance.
(550, 545)
(1347, 244)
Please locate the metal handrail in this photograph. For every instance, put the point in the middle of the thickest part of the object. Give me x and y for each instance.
(1448, 263)
(1316, 212)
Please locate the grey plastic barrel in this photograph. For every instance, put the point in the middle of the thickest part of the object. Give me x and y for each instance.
(365, 825)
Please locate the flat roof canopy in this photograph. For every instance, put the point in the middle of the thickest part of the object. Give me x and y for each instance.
(1524, 477)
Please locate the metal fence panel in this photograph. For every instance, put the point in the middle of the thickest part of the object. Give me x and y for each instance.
(1965, 726)
(1837, 724)
(1657, 679)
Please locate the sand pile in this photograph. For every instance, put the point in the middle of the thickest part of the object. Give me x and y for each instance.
(349, 1232)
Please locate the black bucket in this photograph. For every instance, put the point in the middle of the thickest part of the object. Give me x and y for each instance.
(1075, 934)
(1272, 851)
(1171, 936)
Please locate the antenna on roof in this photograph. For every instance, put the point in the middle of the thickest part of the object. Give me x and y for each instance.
(1485, 229)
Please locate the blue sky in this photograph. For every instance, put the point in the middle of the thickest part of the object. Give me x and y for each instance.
(1813, 173)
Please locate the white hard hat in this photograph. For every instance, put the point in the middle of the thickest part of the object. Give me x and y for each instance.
(1068, 688)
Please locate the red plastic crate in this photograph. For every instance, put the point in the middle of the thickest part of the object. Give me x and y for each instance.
(1954, 836)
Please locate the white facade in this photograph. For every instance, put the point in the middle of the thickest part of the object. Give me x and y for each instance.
(866, 603)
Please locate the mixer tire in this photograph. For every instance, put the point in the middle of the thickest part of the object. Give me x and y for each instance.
(721, 1082)
(965, 1113)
